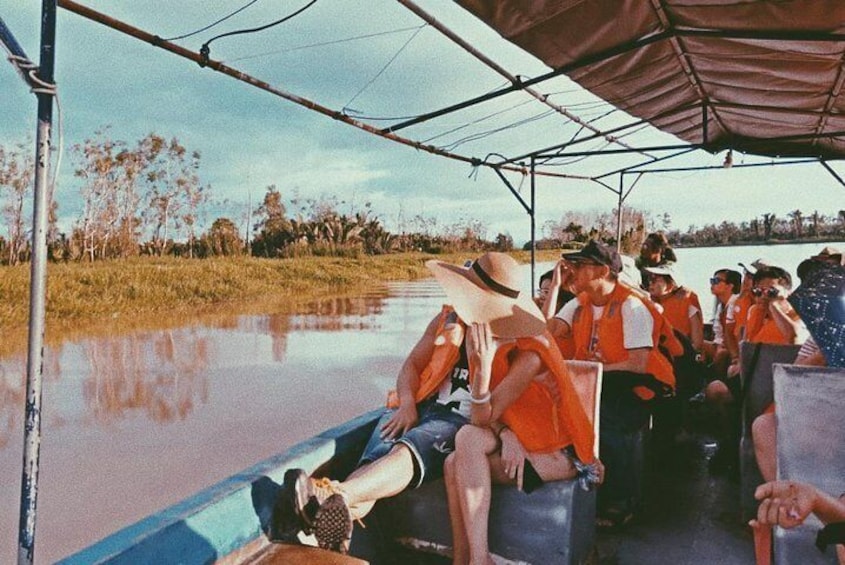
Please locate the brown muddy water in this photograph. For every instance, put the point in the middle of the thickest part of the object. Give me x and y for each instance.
(134, 422)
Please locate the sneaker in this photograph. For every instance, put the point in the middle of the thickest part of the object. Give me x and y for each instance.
(333, 524)
(306, 494)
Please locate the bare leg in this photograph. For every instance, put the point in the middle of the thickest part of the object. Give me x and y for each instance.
(764, 433)
(384, 477)
(472, 476)
(460, 544)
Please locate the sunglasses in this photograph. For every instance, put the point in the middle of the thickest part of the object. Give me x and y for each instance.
(770, 292)
(716, 280)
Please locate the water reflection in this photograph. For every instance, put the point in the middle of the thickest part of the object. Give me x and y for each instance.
(163, 375)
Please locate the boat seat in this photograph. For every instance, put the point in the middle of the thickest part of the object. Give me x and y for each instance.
(756, 360)
(553, 524)
(811, 433)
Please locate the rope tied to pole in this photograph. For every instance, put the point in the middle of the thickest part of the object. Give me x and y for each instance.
(29, 72)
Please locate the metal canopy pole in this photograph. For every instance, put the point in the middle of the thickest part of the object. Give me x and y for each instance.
(528, 208)
(38, 280)
(533, 227)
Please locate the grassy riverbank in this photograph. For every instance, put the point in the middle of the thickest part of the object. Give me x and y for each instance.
(142, 290)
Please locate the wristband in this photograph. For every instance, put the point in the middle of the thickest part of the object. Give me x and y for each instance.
(483, 399)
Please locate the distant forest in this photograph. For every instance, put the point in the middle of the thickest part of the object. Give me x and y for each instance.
(147, 198)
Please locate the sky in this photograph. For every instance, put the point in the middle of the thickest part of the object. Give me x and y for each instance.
(376, 58)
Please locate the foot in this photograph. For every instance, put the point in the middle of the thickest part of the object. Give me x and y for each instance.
(290, 502)
(333, 524)
(304, 495)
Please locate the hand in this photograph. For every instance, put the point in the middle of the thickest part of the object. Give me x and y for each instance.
(563, 273)
(783, 503)
(402, 420)
(513, 456)
(600, 470)
(481, 349)
(733, 369)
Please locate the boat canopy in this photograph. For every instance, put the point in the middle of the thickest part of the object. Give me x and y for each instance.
(762, 77)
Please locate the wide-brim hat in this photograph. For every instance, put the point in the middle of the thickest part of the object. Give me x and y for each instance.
(489, 291)
(830, 253)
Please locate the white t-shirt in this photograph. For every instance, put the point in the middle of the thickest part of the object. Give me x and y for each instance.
(454, 390)
(637, 323)
(718, 330)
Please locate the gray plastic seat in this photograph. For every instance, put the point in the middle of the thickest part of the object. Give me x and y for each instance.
(810, 441)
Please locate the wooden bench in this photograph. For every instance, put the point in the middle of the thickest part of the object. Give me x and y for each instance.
(553, 524)
(810, 448)
(756, 360)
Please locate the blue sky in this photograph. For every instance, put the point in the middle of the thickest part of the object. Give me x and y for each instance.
(250, 139)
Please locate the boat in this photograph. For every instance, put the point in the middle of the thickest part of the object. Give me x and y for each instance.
(709, 74)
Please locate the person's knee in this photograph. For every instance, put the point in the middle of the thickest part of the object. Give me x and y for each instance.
(471, 438)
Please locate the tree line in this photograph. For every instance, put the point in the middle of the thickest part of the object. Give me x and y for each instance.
(147, 198)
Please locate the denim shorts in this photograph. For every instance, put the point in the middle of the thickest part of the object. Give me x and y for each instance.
(430, 441)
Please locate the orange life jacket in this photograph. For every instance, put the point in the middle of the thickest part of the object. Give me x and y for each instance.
(676, 308)
(546, 417)
(610, 337)
(761, 329)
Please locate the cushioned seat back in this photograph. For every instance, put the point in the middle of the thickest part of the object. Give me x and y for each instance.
(810, 439)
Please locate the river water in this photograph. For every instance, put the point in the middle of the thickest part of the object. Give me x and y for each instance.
(134, 422)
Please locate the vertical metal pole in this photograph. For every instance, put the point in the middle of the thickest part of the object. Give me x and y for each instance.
(619, 213)
(38, 280)
(533, 227)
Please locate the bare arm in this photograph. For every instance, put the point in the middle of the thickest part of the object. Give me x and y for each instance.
(408, 382)
(481, 348)
(558, 328)
(697, 331)
(560, 275)
(786, 318)
(636, 362)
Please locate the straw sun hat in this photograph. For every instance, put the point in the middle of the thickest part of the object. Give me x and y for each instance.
(488, 291)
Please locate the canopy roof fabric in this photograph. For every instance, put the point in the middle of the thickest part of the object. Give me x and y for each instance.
(760, 76)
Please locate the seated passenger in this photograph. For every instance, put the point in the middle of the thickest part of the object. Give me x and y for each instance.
(736, 318)
(538, 432)
(772, 319)
(613, 325)
(725, 286)
(413, 438)
(655, 251)
(680, 305)
(553, 294)
(764, 427)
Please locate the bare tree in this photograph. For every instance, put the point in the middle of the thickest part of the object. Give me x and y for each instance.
(17, 169)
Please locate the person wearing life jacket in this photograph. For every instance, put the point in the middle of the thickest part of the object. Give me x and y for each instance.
(524, 427)
(736, 318)
(611, 323)
(680, 304)
(435, 397)
(789, 330)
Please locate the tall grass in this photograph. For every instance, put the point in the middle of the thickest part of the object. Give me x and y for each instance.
(79, 293)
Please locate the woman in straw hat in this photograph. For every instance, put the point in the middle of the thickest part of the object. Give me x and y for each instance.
(527, 424)
(449, 379)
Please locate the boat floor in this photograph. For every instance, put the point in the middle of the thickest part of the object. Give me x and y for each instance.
(689, 515)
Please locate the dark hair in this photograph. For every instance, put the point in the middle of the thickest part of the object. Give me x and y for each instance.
(732, 277)
(783, 278)
(658, 241)
(563, 295)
